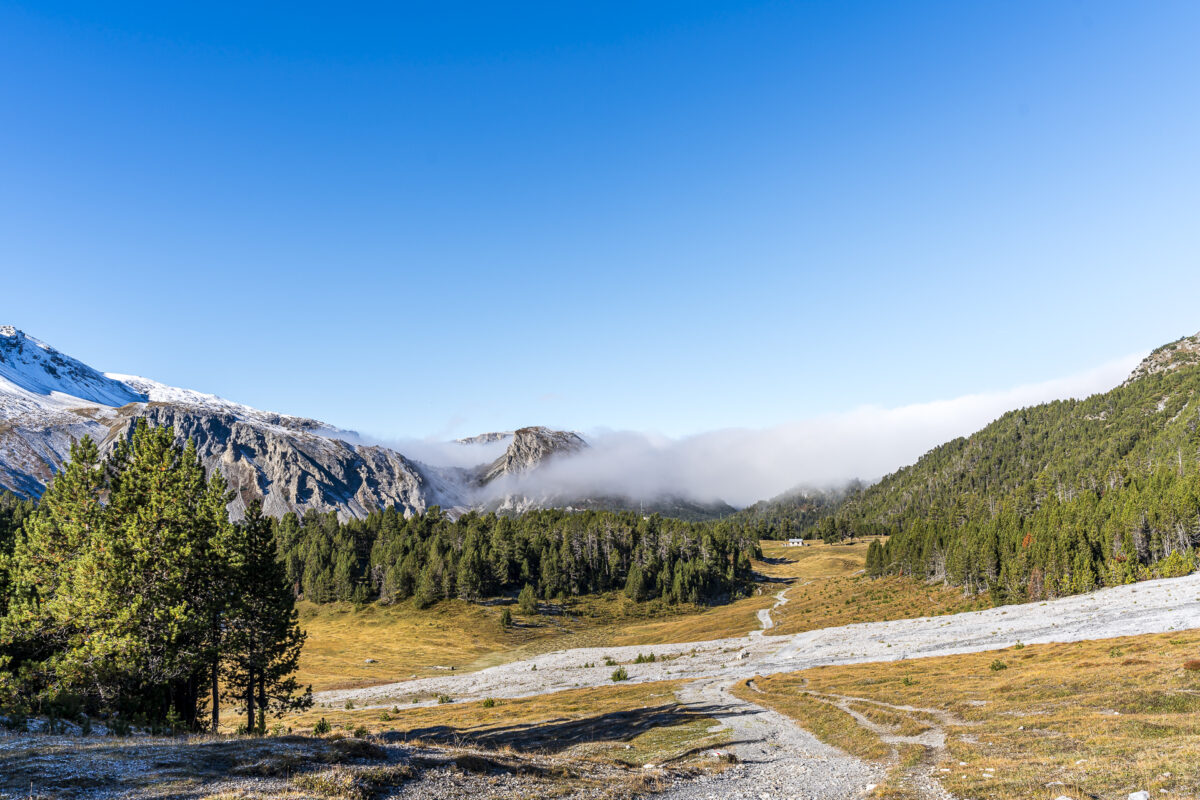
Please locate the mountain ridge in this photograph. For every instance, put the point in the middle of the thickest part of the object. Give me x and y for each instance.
(48, 400)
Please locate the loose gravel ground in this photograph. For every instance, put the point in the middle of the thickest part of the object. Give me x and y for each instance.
(777, 759)
(1149, 607)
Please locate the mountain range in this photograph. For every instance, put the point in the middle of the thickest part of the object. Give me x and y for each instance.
(48, 400)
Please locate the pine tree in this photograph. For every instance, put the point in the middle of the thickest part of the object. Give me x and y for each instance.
(874, 565)
(263, 639)
(39, 622)
(147, 586)
(527, 601)
(115, 600)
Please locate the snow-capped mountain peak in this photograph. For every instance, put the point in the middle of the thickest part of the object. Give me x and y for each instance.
(33, 370)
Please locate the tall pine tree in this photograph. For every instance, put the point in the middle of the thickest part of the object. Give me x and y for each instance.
(263, 637)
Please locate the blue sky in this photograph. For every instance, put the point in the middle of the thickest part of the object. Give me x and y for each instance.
(442, 218)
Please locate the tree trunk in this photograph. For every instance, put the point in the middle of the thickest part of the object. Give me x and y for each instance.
(216, 694)
(262, 700)
(250, 686)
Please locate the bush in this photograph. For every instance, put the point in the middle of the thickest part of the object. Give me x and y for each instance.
(644, 659)
(67, 705)
(619, 674)
(361, 732)
(506, 619)
(322, 727)
(997, 665)
(444, 698)
(349, 705)
(527, 601)
(360, 783)
(489, 703)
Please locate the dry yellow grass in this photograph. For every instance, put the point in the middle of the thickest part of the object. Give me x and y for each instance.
(827, 722)
(830, 589)
(402, 640)
(1101, 718)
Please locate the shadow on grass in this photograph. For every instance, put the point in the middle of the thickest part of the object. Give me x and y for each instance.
(79, 767)
(555, 735)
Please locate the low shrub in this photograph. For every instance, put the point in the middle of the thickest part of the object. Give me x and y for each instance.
(359, 749)
(619, 674)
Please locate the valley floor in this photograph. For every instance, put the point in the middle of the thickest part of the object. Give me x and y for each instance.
(775, 754)
(899, 708)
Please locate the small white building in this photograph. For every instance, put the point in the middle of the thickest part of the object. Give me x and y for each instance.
(795, 543)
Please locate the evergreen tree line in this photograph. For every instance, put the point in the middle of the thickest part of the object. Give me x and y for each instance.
(551, 553)
(1050, 500)
(129, 593)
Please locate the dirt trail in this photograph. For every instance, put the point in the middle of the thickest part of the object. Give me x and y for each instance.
(776, 757)
(764, 614)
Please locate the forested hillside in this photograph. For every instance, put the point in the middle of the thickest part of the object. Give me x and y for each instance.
(1053, 499)
(795, 513)
(430, 557)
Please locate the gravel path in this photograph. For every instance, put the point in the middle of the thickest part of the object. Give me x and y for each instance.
(777, 758)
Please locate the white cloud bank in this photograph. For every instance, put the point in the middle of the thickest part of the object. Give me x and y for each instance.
(741, 466)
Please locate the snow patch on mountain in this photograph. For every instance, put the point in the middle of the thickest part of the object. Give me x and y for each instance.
(34, 377)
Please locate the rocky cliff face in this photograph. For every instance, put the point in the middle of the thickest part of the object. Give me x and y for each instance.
(289, 467)
(530, 447)
(1183, 352)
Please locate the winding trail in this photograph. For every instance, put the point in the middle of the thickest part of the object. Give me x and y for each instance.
(774, 754)
(781, 760)
(765, 622)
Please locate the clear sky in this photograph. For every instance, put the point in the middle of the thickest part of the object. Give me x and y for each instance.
(442, 218)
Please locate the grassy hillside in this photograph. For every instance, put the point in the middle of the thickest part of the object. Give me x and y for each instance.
(1052, 499)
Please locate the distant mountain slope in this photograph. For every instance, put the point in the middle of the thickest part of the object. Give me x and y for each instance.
(794, 513)
(1055, 498)
(515, 491)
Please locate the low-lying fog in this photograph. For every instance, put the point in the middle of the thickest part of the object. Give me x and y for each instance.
(743, 465)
